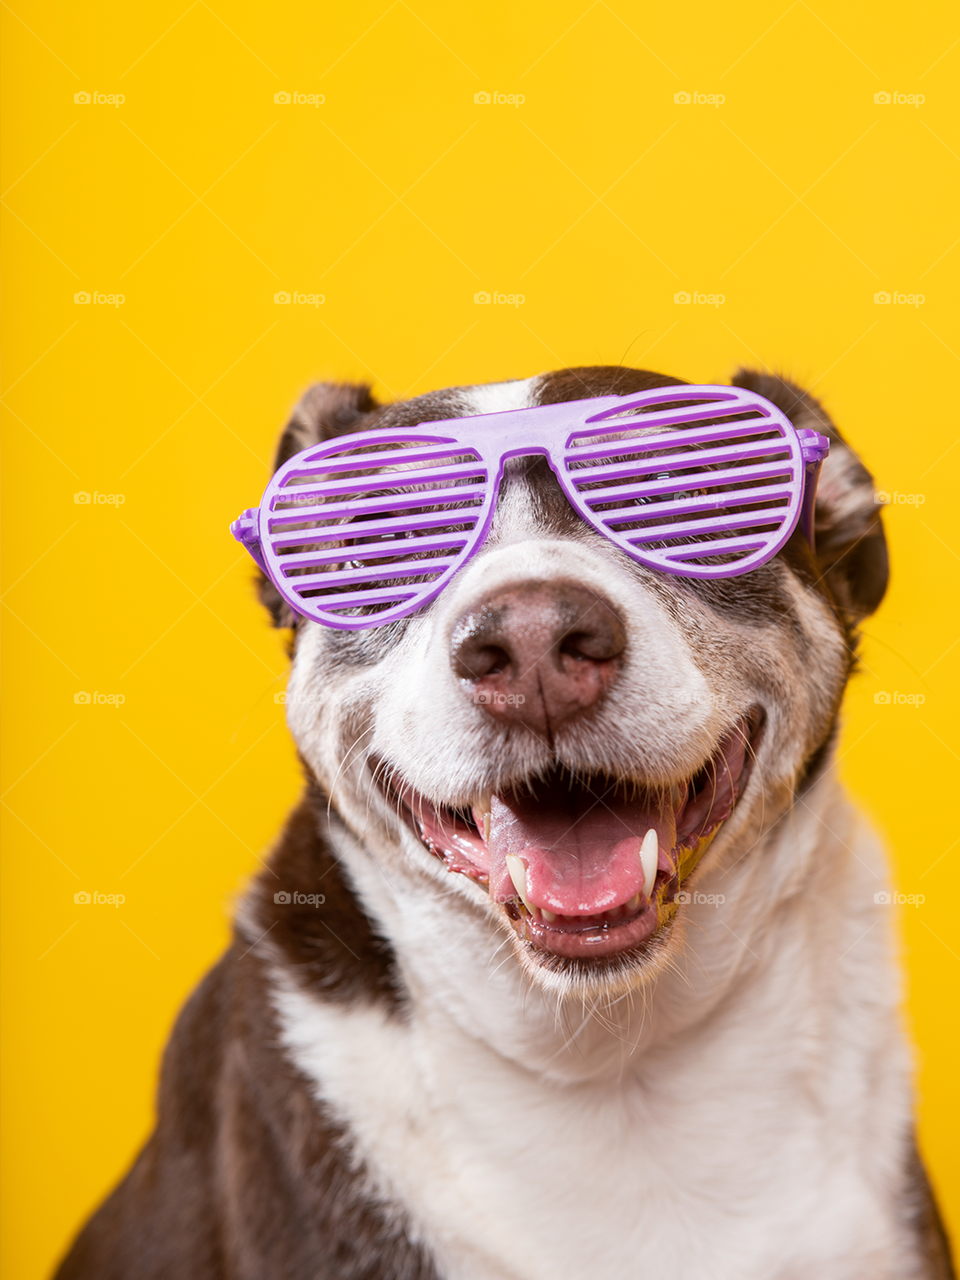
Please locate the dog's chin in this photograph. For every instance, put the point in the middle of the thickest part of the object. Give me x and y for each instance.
(584, 870)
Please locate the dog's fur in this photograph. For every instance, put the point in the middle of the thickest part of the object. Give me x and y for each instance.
(398, 1085)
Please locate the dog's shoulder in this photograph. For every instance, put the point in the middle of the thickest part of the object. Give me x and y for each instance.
(245, 1173)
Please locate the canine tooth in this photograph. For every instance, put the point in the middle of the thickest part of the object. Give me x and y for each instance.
(518, 874)
(648, 861)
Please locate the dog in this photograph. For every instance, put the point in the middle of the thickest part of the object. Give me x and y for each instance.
(398, 1073)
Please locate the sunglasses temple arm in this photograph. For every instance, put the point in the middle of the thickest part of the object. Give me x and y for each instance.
(814, 448)
(246, 530)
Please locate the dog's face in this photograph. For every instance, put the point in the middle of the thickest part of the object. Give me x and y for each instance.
(551, 748)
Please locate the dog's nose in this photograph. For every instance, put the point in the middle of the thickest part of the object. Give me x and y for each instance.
(538, 653)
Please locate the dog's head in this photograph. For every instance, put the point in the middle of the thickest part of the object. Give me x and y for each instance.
(550, 749)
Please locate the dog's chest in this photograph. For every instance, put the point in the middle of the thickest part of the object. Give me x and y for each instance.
(506, 1177)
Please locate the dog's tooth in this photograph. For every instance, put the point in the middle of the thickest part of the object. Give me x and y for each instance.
(482, 806)
(518, 874)
(549, 916)
(634, 902)
(648, 861)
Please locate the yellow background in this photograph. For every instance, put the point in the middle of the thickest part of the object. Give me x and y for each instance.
(597, 199)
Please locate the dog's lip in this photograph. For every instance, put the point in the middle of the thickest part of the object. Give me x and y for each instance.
(627, 923)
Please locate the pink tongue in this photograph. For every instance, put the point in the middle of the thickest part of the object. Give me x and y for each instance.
(582, 854)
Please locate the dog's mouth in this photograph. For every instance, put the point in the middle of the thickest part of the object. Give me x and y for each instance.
(587, 867)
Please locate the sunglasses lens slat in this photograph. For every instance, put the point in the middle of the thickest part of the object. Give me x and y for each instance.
(766, 517)
(682, 481)
(364, 600)
(372, 528)
(622, 425)
(331, 489)
(329, 582)
(373, 460)
(361, 553)
(656, 512)
(723, 546)
(667, 457)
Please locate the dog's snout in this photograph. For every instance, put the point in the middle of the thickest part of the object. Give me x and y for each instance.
(538, 653)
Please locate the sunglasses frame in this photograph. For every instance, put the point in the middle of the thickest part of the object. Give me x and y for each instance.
(549, 431)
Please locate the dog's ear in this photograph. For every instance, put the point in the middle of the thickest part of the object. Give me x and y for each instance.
(327, 409)
(851, 547)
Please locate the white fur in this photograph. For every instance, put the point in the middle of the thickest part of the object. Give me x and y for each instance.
(496, 397)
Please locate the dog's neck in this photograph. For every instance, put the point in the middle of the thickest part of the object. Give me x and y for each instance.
(458, 971)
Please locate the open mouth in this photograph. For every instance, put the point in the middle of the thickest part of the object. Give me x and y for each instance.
(587, 867)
